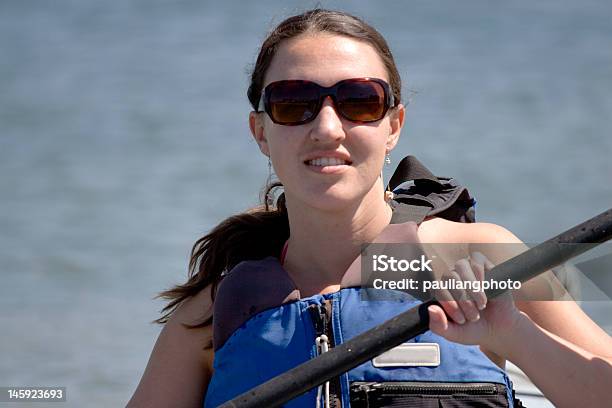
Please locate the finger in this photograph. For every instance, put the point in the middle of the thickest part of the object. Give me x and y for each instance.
(450, 305)
(469, 309)
(488, 265)
(437, 319)
(477, 262)
(439, 324)
(452, 309)
(455, 280)
(467, 306)
(467, 272)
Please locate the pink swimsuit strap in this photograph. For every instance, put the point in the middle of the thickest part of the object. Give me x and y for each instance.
(284, 252)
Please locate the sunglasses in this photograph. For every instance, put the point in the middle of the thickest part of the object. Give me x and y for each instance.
(295, 102)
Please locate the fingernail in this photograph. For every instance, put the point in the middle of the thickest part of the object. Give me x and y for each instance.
(461, 320)
(476, 317)
(482, 305)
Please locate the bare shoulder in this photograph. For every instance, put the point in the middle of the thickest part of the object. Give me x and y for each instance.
(196, 308)
(471, 237)
(180, 365)
(439, 230)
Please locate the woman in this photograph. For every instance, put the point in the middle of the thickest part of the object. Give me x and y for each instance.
(327, 111)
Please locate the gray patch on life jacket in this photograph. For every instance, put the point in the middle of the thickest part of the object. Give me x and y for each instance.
(410, 355)
(248, 289)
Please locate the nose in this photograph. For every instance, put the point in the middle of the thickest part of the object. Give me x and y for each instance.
(327, 126)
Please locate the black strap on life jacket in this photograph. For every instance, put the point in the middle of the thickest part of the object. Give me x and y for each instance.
(418, 194)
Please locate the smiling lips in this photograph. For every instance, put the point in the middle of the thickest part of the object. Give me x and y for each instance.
(327, 161)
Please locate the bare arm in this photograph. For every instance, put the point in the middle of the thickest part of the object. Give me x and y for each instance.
(562, 318)
(179, 369)
(560, 348)
(567, 374)
(558, 367)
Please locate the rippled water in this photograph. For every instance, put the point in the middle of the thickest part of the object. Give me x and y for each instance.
(123, 138)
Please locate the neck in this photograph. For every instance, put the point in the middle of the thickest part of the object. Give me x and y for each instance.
(323, 244)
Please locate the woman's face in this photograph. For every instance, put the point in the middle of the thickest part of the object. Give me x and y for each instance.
(327, 59)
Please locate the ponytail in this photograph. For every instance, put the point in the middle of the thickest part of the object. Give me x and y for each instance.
(252, 235)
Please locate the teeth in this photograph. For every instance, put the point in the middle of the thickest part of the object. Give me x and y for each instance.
(326, 161)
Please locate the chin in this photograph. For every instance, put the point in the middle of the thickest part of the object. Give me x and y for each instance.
(331, 201)
(330, 197)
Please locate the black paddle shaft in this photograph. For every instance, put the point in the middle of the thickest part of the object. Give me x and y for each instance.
(415, 321)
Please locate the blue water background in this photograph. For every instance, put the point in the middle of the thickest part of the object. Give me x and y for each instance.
(124, 138)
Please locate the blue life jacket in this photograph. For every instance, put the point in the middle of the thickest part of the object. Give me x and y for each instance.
(262, 327)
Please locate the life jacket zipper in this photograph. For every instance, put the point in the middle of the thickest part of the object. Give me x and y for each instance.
(322, 347)
(427, 388)
(321, 318)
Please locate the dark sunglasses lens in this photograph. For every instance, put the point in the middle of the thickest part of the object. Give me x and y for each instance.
(362, 101)
(293, 102)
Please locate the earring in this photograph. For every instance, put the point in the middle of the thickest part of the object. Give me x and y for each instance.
(389, 195)
(269, 197)
(269, 169)
(388, 192)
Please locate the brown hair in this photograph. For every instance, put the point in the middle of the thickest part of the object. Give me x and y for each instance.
(322, 21)
(239, 237)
